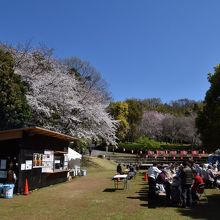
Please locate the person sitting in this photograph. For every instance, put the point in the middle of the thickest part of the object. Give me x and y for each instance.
(204, 173)
(119, 169)
(132, 171)
(162, 179)
(198, 168)
(211, 177)
(194, 190)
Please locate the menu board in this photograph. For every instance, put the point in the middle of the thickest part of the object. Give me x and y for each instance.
(47, 161)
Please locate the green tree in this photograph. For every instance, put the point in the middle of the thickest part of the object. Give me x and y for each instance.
(135, 113)
(119, 111)
(14, 110)
(208, 120)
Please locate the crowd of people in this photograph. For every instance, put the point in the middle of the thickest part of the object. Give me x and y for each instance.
(182, 183)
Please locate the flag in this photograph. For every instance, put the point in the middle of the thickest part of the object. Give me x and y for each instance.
(150, 153)
(194, 152)
(173, 152)
(183, 152)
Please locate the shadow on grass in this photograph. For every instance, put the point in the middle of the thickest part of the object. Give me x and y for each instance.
(111, 190)
(142, 195)
(206, 209)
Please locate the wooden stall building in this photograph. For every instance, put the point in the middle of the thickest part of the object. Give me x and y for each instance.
(35, 153)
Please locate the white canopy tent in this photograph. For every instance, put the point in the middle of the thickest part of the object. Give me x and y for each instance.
(72, 154)
(74, 163)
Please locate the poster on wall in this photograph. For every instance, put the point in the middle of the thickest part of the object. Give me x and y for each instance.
(48, 161)
(3, 164)
(37, 160)
(65, 164)
(50, 152)
(23, 166)
(28, 164)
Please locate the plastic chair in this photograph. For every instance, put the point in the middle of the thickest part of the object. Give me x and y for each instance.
(77, 171)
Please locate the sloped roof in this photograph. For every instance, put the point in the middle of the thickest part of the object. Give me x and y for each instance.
(18, 133)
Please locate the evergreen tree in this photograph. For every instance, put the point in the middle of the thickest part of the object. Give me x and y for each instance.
(14, 111)
(208, 120)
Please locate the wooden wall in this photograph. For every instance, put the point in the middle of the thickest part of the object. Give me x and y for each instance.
(20, 150)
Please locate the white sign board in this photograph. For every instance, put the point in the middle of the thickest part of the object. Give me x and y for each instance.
(28, 164)
(23, 166)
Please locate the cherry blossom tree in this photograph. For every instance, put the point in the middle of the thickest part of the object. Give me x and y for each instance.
(59, 100)
(169, 128)
(151, 124)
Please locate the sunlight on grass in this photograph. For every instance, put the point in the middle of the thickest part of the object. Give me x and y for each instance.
(93, 197)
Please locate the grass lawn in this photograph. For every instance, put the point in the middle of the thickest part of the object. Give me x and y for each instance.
(93, 197)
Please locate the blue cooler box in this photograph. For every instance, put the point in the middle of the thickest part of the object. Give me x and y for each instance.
(8, 190)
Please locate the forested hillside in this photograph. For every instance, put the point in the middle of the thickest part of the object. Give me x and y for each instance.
(172, 122)
(70, 96)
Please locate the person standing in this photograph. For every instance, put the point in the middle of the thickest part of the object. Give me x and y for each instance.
(153, 172)
(187, 177)
(11, 176)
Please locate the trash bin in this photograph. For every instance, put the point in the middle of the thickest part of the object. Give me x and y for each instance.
(83, 172)
(8, 190)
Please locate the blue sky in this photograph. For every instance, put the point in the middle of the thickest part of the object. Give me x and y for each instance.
(143, 48)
